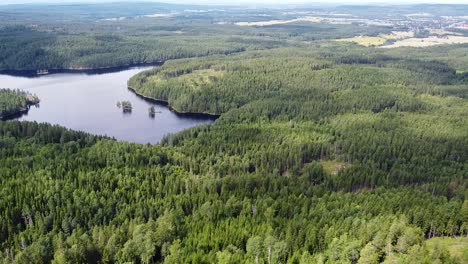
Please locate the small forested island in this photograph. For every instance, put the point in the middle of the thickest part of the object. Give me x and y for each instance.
(152, 111)
(14, 102)
(126, 106)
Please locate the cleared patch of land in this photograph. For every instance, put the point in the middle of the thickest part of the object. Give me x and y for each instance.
(455, 246)
(113, 19)
(419, 15)
(365, 40)
(400, 35)
(265, 23)
(196, 79)
(429, 41)
(279, 22)
(316, 19)
(332, 167)
(160, 15)
(379, 40)
(442, 32)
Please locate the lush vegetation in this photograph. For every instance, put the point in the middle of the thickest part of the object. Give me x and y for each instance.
(78, 198)
(324, 151)
(348, 122)
(317, 157)
(15, 101)
(59, 37)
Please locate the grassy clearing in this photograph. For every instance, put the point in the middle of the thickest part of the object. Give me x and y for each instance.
(365, 41)
(195, 79)
(457, 247)
(332, 167)
(442, 32)
(427, 42)
(380, 40)
(265, 23)
(316, 19)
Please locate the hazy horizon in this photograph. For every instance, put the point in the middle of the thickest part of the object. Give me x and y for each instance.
(242, 2)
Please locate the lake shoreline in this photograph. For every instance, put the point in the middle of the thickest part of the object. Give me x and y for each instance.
(22, 111)
(92, 108)
(86, 70)
(166, 103)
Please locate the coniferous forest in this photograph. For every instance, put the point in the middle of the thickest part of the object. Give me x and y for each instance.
(15, 101)
(324, 151)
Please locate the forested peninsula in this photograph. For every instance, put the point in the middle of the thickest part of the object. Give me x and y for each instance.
(14, 102)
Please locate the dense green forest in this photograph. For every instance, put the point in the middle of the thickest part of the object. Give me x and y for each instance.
(350, 156)
(112, 44)
(70, 197)
(323, 152)
(84, 36)
(15, 101)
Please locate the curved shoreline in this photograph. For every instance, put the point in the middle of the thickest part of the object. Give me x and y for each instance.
(86, 70)
(17, 114)
(102, 70)
(166, 103)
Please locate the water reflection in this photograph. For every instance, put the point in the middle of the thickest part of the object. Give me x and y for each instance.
(87, 102)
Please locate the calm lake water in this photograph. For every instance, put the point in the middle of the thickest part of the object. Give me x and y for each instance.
(87, 102)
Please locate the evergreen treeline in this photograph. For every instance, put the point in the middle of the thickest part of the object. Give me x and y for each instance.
(15, 101)
(332, 83)
(343, 157)
(70, 197)
(324, 152)
(78, 41)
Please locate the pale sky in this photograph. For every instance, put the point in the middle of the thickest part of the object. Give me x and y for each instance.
(249, 2)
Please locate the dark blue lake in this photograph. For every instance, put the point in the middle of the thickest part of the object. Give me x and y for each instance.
(87, 102)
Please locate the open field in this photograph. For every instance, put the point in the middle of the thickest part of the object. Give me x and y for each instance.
(316, 19)
(332, 167)
(195, 79)
(455, 246)
(368, 41)
(279, 22)
(365, 41)
(429, 41)
(442, 32)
